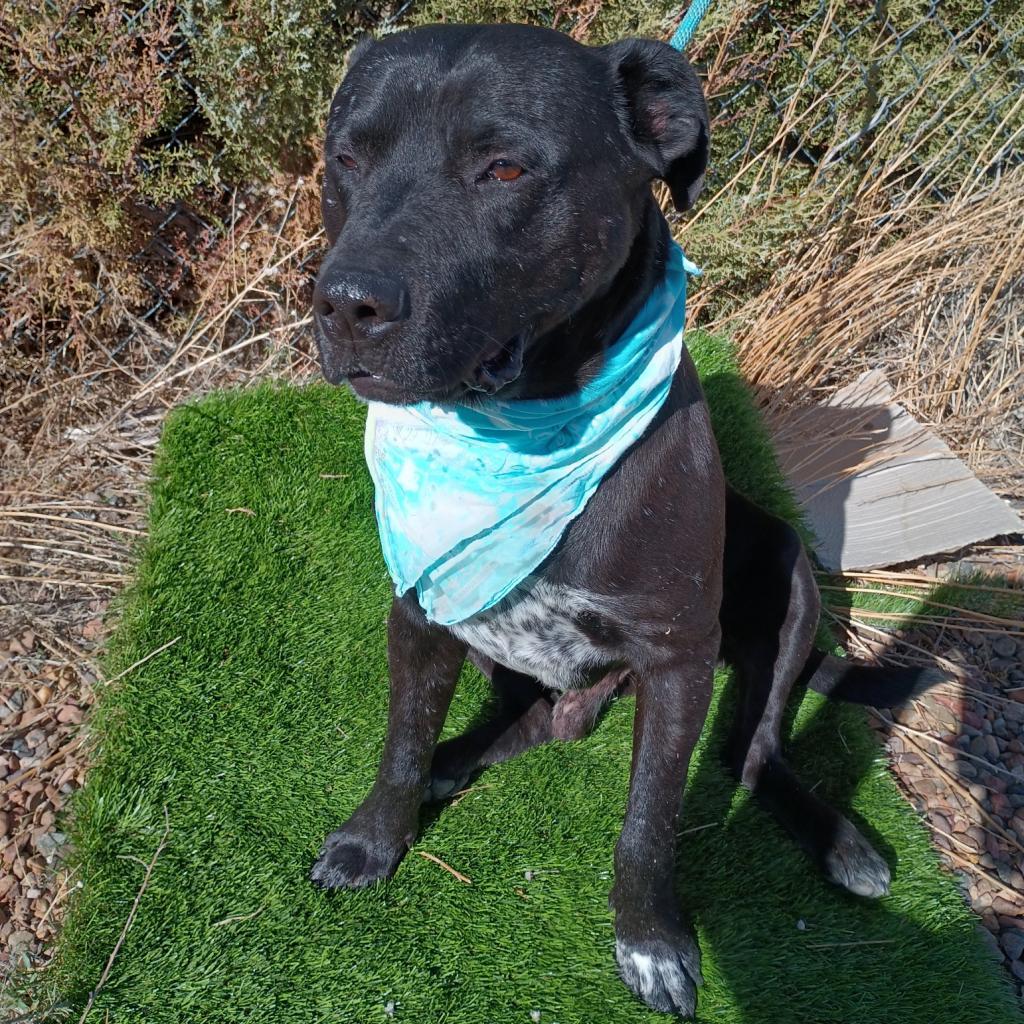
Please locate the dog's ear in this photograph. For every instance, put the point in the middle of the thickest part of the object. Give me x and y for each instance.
(357, 51)
(662, 109)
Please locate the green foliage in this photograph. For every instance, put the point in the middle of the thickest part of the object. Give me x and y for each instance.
(596, 21)
(263, 72)
(259, 730)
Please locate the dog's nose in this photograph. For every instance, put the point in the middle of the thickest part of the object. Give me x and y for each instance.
(359, 304)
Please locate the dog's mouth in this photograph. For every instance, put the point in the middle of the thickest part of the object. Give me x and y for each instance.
(499, 364)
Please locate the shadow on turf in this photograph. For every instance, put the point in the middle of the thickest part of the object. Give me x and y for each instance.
(818, 740)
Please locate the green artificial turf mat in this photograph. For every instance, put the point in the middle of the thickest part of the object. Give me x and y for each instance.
(258, 731)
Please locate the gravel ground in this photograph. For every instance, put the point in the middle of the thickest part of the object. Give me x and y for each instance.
(43, 701)
(960, 759)
(958, 755)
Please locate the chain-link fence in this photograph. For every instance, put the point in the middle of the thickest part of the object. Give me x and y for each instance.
(812, 84)
(952, 76)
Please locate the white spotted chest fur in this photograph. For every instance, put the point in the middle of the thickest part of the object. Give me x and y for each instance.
(551, 632)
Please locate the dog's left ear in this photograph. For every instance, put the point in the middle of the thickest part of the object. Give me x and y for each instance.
(662, 109)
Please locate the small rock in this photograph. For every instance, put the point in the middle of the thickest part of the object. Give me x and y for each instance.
(978, 791)
(974, 638)
(34, 800)
(70, 715)
(5, 824)
(1000, 806)
(1004, 646)
(1001, 905)
(992, 747)
(1013, 943)
(35, 738)
(20, 941)
(535, 1016)
(972, 718)
(1002, 665)
(1017, 966)
(994, 783)
(48, 843)
(978, 747)
(991, 941)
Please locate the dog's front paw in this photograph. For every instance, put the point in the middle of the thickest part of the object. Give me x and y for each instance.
(352, 859)
(663, 972)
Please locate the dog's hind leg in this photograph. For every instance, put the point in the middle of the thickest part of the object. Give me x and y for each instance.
(521, 719)
(769, 617)
(526, 714)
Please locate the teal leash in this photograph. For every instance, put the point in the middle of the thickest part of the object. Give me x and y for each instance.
(694, 14)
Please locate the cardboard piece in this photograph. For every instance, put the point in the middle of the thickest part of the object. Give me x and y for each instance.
(878, 488)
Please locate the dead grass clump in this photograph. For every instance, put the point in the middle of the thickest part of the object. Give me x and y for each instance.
(124, 128)
(897, 246)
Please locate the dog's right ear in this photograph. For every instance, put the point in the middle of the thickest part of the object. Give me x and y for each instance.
(662, 110)
(357, 51)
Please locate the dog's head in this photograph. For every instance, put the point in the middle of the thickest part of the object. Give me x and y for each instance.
(482, 184)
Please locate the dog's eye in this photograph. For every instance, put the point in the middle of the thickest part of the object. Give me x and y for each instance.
(347, 161)
(504, 170)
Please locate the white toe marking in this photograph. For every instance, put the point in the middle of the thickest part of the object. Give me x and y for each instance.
(645, 968)
(649, 969)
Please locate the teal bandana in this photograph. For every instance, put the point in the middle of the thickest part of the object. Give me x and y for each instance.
(470, 500)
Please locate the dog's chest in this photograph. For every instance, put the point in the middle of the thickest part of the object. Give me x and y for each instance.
(559, 635)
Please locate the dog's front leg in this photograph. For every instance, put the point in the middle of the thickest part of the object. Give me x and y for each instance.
(424, 662)
(655, 946)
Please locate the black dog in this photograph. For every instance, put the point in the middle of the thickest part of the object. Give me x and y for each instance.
(488, 204)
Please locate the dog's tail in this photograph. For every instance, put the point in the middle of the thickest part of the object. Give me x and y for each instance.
(881, 686)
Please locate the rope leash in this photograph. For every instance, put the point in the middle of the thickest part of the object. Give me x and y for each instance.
(694, 14)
